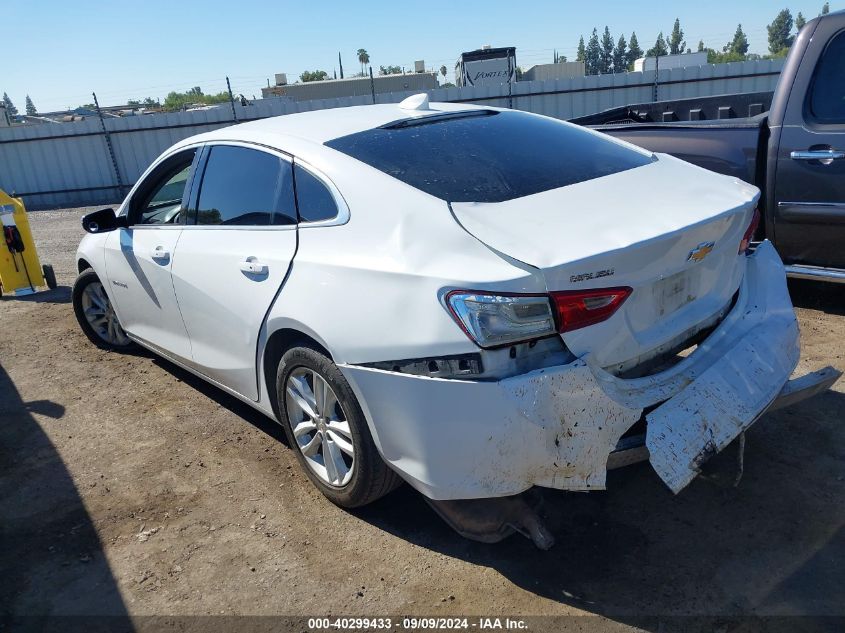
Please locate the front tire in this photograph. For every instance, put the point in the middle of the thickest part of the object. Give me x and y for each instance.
(326, 428)
(95, 313)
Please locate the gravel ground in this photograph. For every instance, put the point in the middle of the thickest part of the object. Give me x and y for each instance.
(127, 486)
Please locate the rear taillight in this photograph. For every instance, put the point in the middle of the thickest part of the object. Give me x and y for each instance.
(749, 232)
(492, 320)
(580, 308)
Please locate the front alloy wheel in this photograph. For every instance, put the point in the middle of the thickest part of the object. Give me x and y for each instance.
(96, 314)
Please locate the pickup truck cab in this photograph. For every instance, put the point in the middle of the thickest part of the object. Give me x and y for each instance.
(790, 144)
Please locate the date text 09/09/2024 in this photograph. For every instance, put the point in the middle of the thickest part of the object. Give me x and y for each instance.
(416, 623)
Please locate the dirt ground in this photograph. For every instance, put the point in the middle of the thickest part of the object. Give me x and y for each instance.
(127, 486)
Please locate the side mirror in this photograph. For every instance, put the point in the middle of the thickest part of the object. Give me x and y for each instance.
(102, 221)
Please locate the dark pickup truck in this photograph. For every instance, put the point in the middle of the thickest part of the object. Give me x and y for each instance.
(790, 144)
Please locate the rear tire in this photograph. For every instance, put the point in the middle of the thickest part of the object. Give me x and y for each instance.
(326, 428)
(49, 276)
(95, 313)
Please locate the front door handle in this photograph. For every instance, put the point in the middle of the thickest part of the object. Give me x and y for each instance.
(160, 253)
(824, 156)
(253, 266)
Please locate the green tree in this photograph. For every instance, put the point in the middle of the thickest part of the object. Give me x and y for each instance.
(364, 58)
(133, 102)
(739, 44)
(606, 58)
(180, 100)
(800, 21)
(11, 110)
(701, 48)
(780, 38)
(593, 56)
(634, 50)
(315, 75)
(581, 55)
(715, 57)
(620, 55)
(443, 71)
(30, 107)
(676, 39)
(825, 8)
(659, 49)
(150, 103)
(390, 70)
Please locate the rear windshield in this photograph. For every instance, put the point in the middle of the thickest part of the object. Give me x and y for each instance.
(486, 155)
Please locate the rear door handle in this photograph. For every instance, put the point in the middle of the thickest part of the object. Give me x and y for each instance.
(253, 266)
(160, 253)
(823, 155)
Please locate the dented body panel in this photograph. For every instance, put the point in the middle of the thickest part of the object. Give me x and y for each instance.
(556, 427)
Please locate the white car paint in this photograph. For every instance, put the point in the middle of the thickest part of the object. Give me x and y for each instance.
(369, 287)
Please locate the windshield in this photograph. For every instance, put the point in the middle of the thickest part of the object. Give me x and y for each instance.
(492, 158)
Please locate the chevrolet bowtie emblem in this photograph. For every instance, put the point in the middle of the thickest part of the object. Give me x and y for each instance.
(700, 252)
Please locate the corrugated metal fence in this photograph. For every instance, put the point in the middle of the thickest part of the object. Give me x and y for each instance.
(68, 164)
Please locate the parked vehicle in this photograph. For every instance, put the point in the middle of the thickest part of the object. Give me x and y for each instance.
(473, 300)
(486, 67)
(794, 152)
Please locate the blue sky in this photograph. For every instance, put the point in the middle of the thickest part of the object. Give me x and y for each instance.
(58, 52)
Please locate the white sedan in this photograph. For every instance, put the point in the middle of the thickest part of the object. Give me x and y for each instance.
(473, 300)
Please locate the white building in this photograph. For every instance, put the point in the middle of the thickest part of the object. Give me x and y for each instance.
(671, 61)
(561, 70)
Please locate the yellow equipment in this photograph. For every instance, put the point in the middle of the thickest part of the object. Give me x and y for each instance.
(21, 271)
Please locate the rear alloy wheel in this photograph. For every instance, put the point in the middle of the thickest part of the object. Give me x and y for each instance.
(326, 427)
(95, 313)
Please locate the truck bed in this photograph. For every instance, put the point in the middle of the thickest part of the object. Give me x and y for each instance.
(685, 128)
(740, 109)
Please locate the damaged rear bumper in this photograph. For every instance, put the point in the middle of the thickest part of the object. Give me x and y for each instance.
(557, 427)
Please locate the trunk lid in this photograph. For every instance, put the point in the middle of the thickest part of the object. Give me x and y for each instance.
(669, 230)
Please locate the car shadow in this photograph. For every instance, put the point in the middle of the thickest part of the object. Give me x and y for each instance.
(60, 294)
(233, 404)
(818, 295)
(637, 554)
(53, 563)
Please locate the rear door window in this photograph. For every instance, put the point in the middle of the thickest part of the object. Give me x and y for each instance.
(488, 155)
(314, 200)
(245, 187)
(827, 95)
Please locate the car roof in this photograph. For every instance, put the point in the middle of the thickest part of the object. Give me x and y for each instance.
(319, 126)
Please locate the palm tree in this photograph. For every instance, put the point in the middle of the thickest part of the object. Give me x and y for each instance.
(364, 58)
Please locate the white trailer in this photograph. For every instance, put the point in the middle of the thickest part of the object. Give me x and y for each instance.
(486, 67)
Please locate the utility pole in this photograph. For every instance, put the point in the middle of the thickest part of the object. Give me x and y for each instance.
(109, 145)
(231, 100)
(656, 76)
